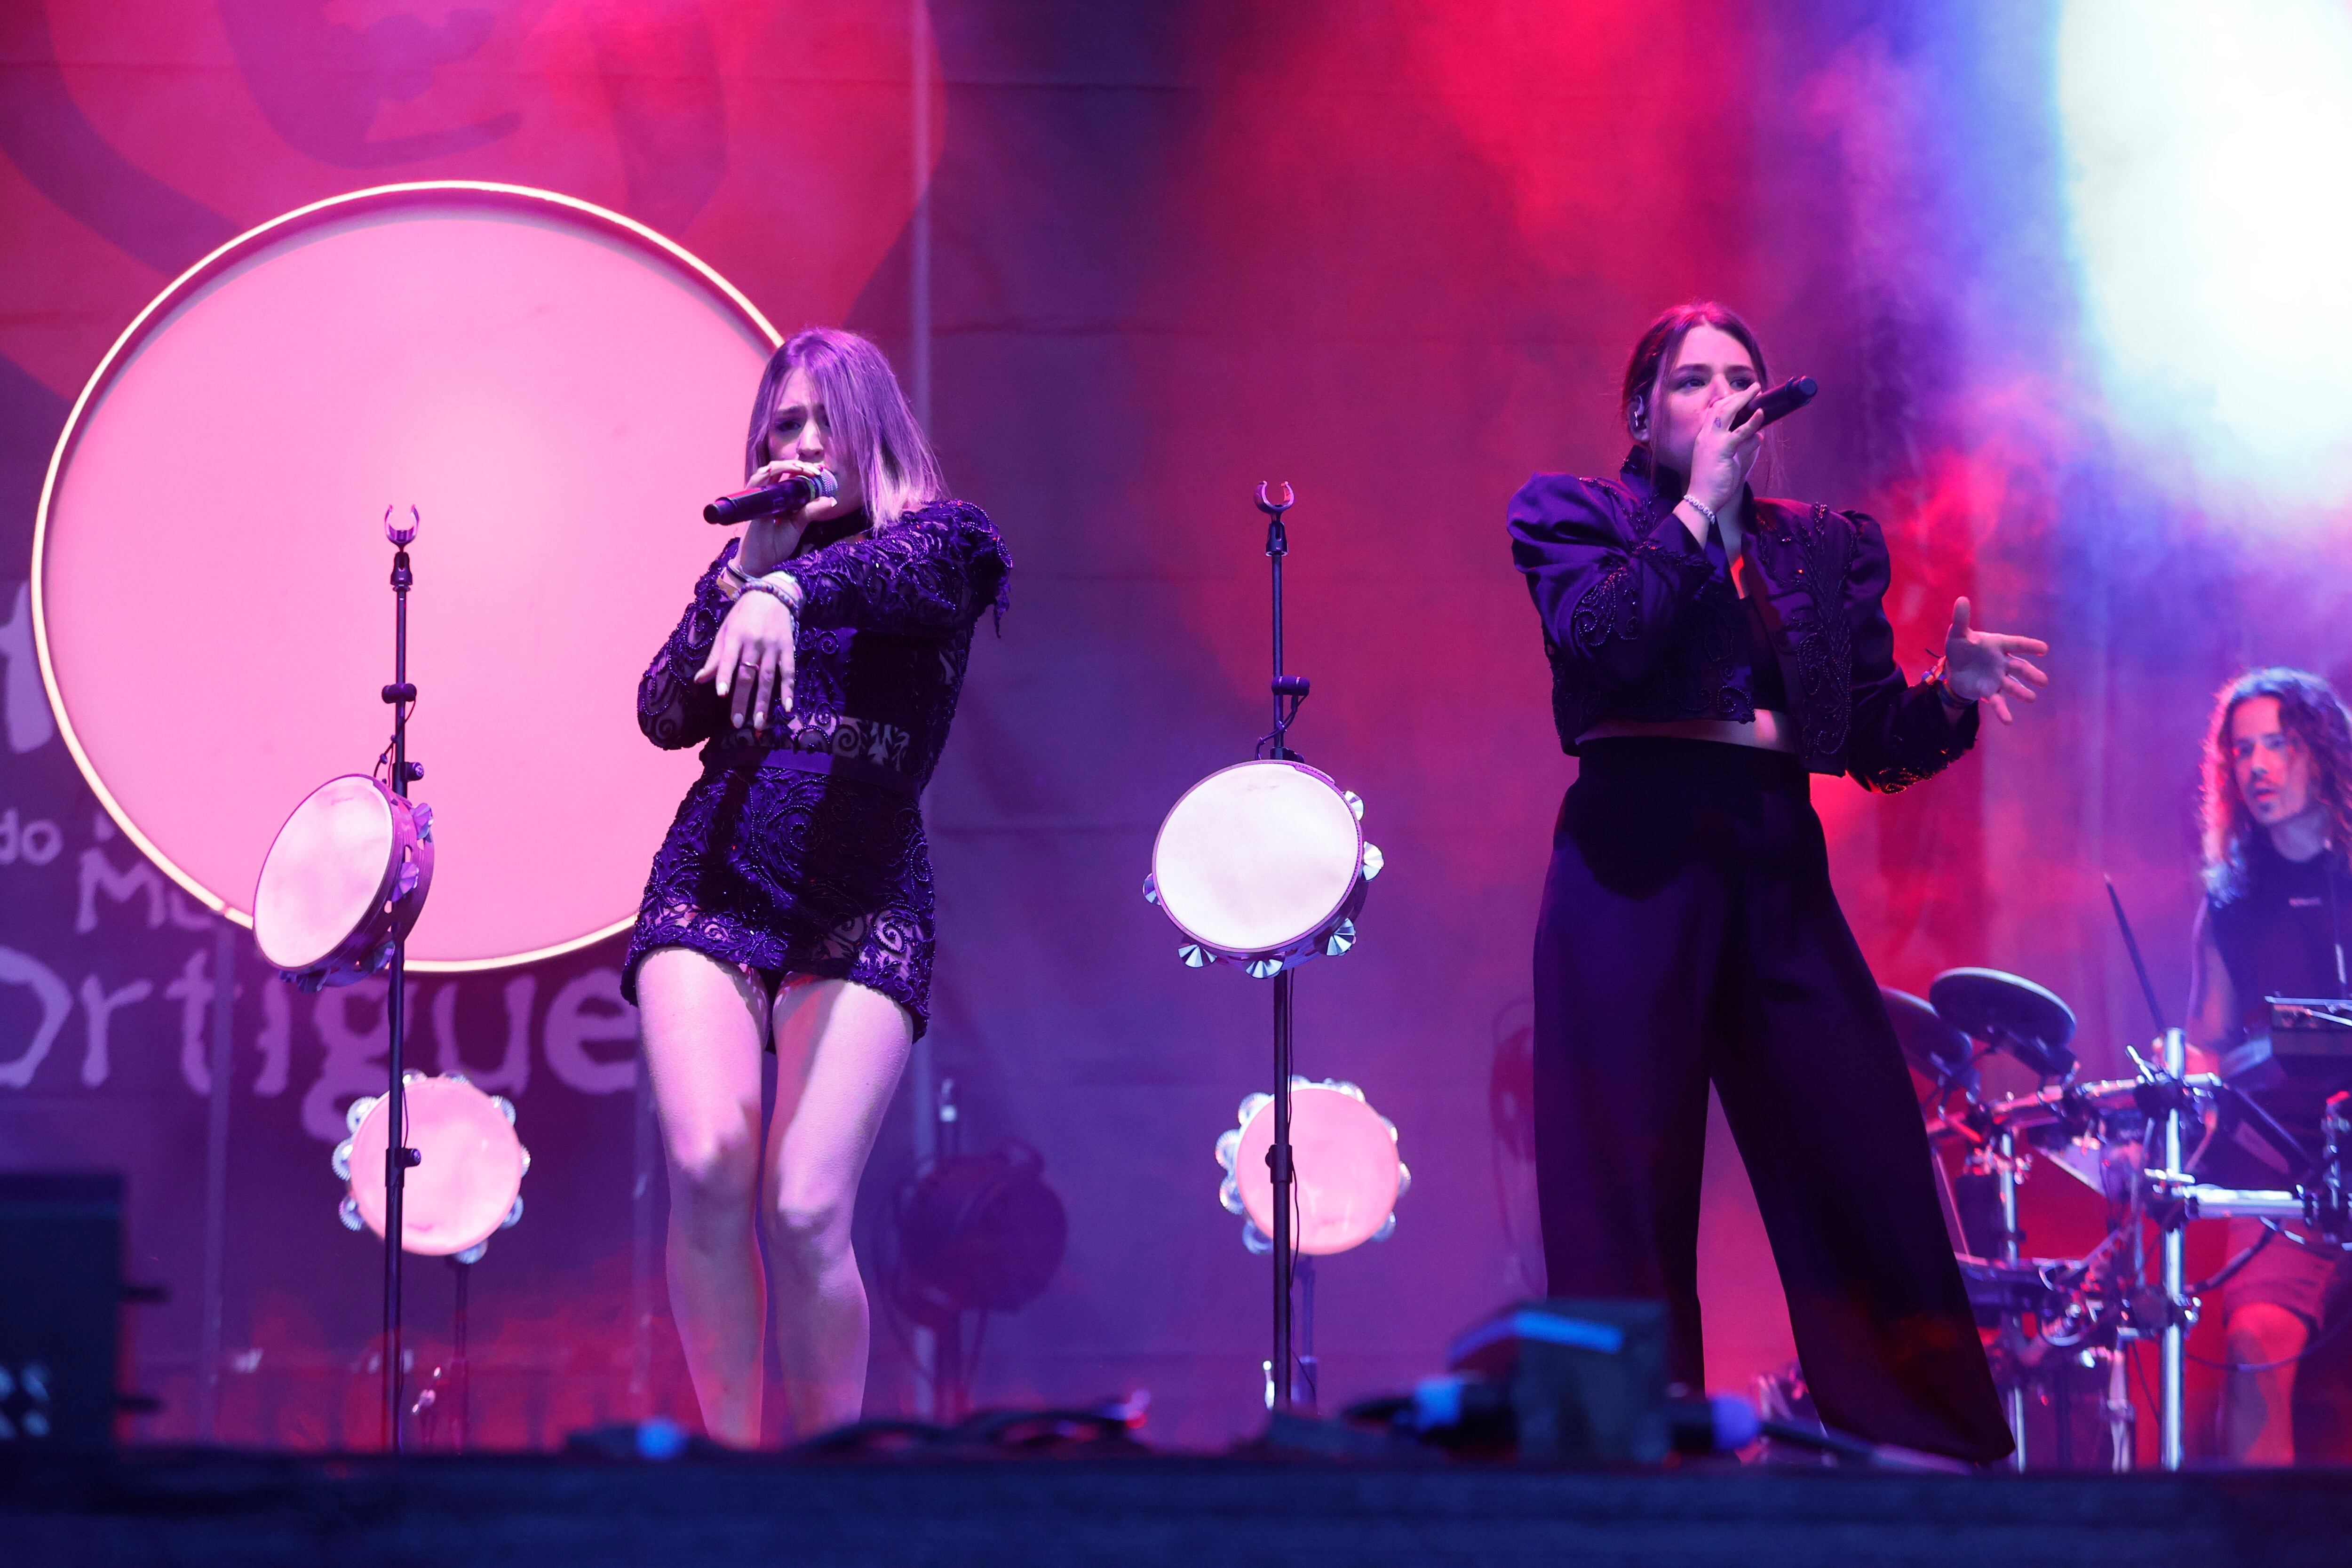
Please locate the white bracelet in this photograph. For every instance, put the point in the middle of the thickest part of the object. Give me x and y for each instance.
(1706, 511)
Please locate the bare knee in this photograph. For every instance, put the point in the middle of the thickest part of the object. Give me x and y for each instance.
(712, 1179)
(2262, 1332)
(808, 1233)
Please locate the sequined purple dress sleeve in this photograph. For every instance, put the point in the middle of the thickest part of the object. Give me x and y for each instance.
(800, 850)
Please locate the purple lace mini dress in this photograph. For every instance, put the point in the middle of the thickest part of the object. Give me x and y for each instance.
(800, 850)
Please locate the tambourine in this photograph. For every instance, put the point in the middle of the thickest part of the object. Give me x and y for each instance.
(344, 878)
(1350, 1174)
(467, 1186)
(1265, 864)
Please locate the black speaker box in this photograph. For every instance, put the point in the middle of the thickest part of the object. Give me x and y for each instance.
(61, 1305)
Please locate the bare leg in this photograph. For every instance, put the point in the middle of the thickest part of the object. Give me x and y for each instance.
(704, 1023)
(840, 1049)
(2258, 1408)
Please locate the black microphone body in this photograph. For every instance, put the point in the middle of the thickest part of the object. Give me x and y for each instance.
(1780, 402)
(789, 494)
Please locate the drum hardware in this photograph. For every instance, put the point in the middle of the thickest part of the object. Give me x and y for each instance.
(339, 890)
(2058, 1321)
(2176, 1197)
(2153, 1145)
(2007, 1013)
(1265, 864)
(1936, 1050)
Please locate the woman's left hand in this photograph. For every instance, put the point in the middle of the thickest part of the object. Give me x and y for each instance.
(752, 658)
(1988, 667)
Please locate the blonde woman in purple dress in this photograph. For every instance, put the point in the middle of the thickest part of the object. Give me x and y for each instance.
(789, 906)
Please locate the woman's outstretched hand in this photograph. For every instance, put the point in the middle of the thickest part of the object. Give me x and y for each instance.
(1988, 667)
(752, 658)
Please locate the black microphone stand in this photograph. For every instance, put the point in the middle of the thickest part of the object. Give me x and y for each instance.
(1291, 689)
(398, 1157)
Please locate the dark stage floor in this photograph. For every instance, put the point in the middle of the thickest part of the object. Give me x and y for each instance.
(520, 1512)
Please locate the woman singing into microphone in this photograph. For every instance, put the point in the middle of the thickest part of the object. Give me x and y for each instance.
(1710, 652)
(790, 906)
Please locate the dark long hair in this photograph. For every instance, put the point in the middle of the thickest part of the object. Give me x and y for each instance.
(2310, 711)
(1656, 350)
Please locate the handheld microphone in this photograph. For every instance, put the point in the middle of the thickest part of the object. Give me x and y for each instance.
(1780, 402)
(766, 500)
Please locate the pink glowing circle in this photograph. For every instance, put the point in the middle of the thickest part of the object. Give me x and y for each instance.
(557, 390)
(1349, 1172)
(465, 1186)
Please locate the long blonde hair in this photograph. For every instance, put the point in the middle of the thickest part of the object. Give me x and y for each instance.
(868, 416)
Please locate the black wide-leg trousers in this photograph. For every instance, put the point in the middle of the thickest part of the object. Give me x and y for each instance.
(1689, 934)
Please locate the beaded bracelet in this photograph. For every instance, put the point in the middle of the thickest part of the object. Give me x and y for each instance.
(786, 595)
(733, 584)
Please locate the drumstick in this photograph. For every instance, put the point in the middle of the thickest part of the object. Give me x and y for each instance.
(2146, 987)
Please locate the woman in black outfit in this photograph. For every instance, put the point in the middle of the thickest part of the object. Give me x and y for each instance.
(1710, 651)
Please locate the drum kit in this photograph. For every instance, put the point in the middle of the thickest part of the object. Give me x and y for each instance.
(2160, 1148)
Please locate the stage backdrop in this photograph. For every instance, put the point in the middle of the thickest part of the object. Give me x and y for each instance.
(1134, 260)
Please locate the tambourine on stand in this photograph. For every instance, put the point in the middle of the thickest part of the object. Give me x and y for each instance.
(1264, 865)
(340, 889)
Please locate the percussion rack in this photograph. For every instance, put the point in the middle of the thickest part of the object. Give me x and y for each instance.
(398, 1157)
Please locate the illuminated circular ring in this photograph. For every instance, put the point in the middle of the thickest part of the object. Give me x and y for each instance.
(727, 302)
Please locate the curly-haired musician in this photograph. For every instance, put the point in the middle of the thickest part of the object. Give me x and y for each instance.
(790, 905)
(1711, 651)
(2278, 888)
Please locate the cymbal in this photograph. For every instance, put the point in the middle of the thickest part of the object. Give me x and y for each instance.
(2010, 1013)
(1935, 1047)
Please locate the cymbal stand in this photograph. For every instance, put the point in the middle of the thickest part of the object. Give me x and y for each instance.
(2177, 1308)
(2013, 1240)
(398, 1157)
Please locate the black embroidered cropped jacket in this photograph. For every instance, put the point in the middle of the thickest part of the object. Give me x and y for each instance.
(1639, 624)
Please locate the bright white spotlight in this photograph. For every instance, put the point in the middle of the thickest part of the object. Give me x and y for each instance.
(2212, 203)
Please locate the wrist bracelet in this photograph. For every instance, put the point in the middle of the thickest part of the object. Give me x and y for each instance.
(782, 595)
(1938, 678)
(1706, 511)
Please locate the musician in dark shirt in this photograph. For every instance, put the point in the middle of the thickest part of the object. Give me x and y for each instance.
(1711, 651)
(2277, 834)
(789, 904)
